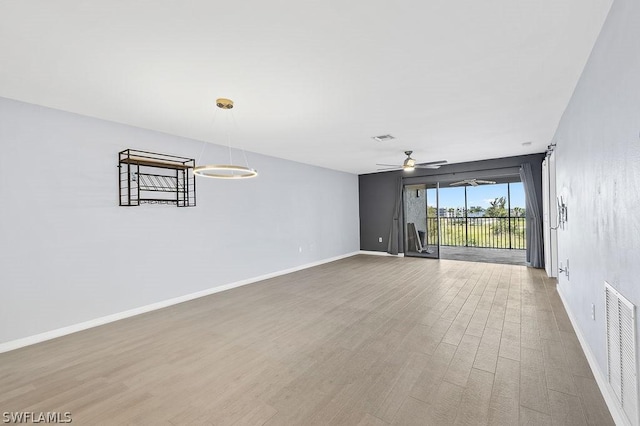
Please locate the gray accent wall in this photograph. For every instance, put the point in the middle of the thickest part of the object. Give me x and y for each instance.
(378, 190)
(377, 197)
(598, 175)
(69, 253)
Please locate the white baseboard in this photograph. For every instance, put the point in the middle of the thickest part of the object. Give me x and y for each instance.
(601, 378)
(380, 253)
(48, 335)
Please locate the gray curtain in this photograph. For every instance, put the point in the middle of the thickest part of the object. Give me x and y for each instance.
(394, 232)
(535, 255)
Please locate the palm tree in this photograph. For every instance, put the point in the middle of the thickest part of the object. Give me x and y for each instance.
(497, 208)
(475, 210)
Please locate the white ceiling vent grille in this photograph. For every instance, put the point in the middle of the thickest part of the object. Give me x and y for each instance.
(621, 351)
(383, 138)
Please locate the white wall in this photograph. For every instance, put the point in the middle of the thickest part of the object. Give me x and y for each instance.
(69, 253)
(598, 173)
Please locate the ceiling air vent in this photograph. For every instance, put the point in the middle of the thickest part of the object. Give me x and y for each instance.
(383, 138)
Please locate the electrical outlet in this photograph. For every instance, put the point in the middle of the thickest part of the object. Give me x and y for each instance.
(379, 239)
(593, 312)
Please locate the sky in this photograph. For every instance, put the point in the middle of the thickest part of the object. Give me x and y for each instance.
(480, 195)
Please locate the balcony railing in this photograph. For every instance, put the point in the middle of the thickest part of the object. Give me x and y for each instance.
(485, 232)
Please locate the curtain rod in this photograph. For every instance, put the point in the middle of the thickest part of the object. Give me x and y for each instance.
(515, 171)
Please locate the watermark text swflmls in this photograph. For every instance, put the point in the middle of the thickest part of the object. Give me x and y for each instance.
(36, 417)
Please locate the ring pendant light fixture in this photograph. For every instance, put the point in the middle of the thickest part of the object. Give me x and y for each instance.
(226, 171)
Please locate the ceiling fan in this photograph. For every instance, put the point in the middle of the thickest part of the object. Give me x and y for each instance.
(472, 182)
(410, 164)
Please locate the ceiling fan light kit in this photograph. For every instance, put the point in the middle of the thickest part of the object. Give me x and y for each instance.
(410, 164)
(225, 171)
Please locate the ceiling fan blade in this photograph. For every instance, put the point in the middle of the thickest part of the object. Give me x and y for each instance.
(458, 183)
(390, 165)
(485, 181)
(391, 168)
(433, 163)
(427, 166)
(474, 183)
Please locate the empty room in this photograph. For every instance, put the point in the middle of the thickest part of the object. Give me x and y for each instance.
(319, 213)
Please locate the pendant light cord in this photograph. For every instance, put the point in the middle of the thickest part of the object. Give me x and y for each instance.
(204, 143)
(232, 119)
(244, 153)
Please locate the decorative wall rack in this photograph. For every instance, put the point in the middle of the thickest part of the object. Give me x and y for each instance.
(152, 178)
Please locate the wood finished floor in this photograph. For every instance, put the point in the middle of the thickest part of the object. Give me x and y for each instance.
(367, 340)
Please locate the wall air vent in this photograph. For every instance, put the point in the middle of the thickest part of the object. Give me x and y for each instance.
(383, 138)
(621, 351)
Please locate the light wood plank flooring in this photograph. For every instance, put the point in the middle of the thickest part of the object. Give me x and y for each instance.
(367, 340)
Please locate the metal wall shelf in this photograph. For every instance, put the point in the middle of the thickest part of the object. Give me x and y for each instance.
(152, 178)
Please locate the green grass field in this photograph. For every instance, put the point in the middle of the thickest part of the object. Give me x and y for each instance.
(479, 232)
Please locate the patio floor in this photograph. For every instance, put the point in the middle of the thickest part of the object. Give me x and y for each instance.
(489, 255)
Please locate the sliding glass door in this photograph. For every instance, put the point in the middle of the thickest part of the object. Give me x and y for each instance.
(422, 221)
(483, 216)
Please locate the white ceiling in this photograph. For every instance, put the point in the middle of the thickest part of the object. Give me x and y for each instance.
(313, 81)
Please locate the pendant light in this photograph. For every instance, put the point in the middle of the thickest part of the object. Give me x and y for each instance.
(226, 171)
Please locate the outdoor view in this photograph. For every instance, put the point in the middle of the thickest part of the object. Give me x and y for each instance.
(490, 216)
